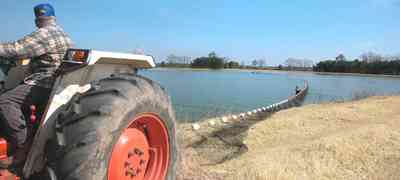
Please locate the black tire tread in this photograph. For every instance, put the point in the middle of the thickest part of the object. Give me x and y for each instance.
(95, 109)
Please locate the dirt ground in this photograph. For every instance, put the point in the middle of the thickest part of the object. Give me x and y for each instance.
(350, 140)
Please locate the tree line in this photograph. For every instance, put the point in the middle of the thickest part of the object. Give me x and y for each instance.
(212, 61)
(369, 63)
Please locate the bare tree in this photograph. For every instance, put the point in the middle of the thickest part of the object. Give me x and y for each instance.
(254, 62)
(262, 62)
(371, 57)
(294, 62)
(242, 63)
(186, 59)
(173, 59)
(308, 63)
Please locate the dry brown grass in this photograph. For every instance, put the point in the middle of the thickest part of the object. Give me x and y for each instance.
(351, 140)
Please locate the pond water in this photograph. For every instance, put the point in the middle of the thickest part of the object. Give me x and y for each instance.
(201, 94)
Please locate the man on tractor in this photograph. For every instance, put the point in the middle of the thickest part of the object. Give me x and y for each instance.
(45, 48)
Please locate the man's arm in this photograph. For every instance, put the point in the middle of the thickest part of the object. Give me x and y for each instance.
(28, 47)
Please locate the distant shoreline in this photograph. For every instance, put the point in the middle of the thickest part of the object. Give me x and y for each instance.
(357, 74)
(285, 71)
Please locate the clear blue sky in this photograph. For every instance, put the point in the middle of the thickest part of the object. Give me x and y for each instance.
(242, 30)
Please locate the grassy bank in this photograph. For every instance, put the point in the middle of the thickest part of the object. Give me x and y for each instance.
(351, 140)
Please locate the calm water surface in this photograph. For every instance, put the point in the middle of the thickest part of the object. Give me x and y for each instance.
(200, 94)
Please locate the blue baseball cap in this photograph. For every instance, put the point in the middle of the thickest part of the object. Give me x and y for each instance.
(44, 10)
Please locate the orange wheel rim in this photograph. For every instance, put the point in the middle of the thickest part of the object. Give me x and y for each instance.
(142, 150)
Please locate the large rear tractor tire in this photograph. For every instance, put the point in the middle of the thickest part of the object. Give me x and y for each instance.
(123, 128)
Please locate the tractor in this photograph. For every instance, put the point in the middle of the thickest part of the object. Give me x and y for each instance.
(102, 121)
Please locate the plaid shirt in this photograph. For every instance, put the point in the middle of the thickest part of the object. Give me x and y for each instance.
(45, 47)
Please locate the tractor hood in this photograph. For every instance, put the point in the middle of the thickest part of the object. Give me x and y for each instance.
(102, 57)
(91, 57)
